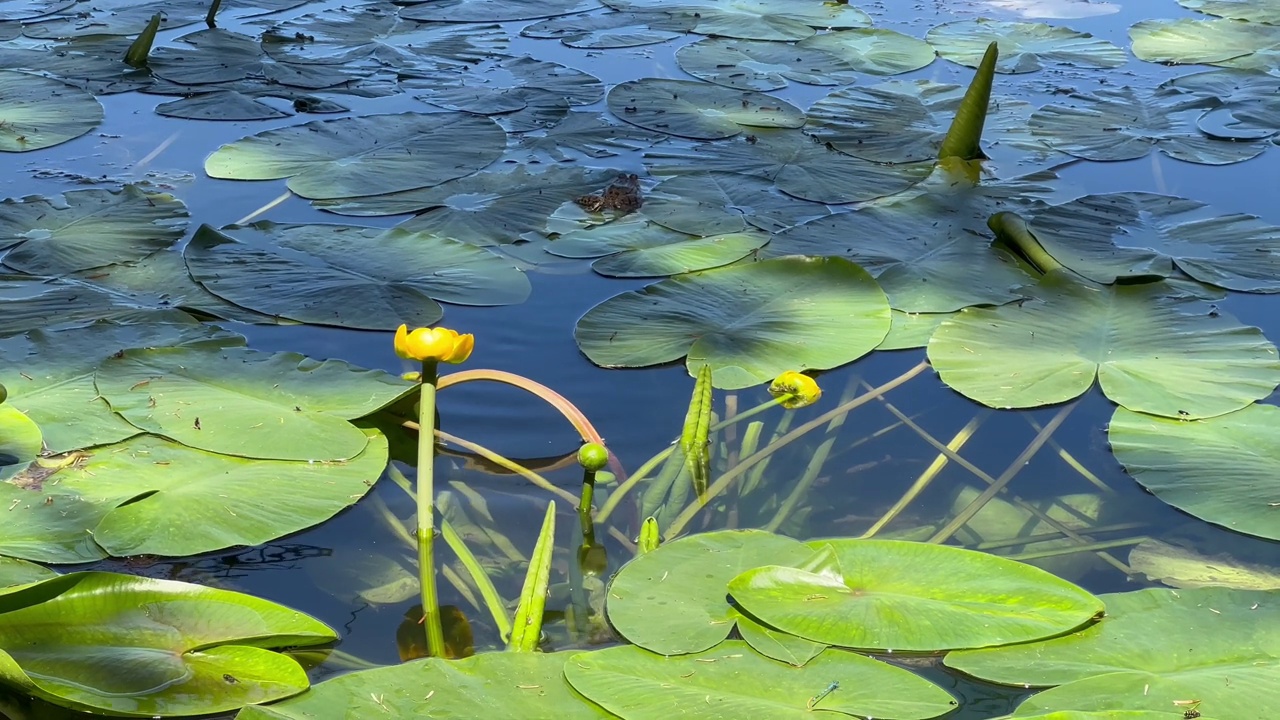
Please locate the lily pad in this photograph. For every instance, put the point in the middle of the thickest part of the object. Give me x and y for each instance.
(490, 11)
(590, 134)
(905, 121)
(1260, 11)
(1151, 351)
(162, 498)
(196, 638)
(596, 31)
(672, 601)
(217, 55)
(1222, 469)
(1127, 123)
(1135, 234)
(698, 110)
(70, 304)
(49, 374)
(48, 526)
(20, 572)
(1182, 644)
(497, 87)
(778, 20)
(762, 65)
(349, 276)
(95, 64)
(90, 228)
(39, 112)
(1191, 565)
(855, 593)
(752, 321)
(1226, 43)
(31, 9)
(20, 440)
(496, 685)
(370, 155)
(1240, 104)
(1024, 47)
(714, 203)
(730, 680)
(127, 17)
(636, 247)
(911, 330)
(797, 164)
(1055, 9)
(280, 406)
(873, 50)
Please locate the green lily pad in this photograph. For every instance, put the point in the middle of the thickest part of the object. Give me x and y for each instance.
(1024, 47)
(161, 648)
(162, 498)
(127, 17)
(20, 440)
(370, 155)
(49, 374)
(857, 593)
(70, 304)
(634, 246)
(496, 685)
(1136, 234)
(730, 680)
(1150, 351)
(714, 203)
(752, 323)
(83, 229)
(38, 112)
(1226, 43)
(1239, 104)
(1223, 469)
(778, 20)
(698, 110)
(902, 121)
(488, 208)
(799, 166)
(911, 330)
(1182, 644)
(1260, 11)
(589, 134)
(349, 276)
(1127, 123)
(761, 65)
(31, 9)
(375, 30)
(672, 600)
(597, 31)
(216, 55)
(95, 64)
(873, 50)
(498, 87)
(20, 572)
(490, 11)
(47, 526)
(281, 406)
(780, 646)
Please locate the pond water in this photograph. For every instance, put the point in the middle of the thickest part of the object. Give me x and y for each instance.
(875, 457)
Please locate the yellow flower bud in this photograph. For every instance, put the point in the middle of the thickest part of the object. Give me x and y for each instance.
(796, 390)
(433, 344)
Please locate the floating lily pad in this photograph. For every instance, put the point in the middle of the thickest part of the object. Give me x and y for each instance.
(20, 572)
(672, 600)
(596, 31)
(1151, 351)
(226, 105)
(753, 321)
(94, 63)
(1182, 644)
(911, 330)
(761, 65)
(20, 440)
(128, 17)
(797, 164)
(589, 134)
(1133, 234)
(31, 9)
(855, 593)
(348, 276)
(162, 498)
(730, 680)
(1024, 47)
(39, 112)
(905, 121)
(370, 155)
(1127, 123)
(714, 203)
(498, 87)
(90, 228)
(216, 55)
(873, 50)
(1228, 43)
(490, 11)
(47, 525)
(49, 374)
(495, 685)
(758, 19)
(1223, 469)
(637, 247)
(698, 110)
(197, 637)
(1240, 104)
(70, 304)
(376, 30)
(1261, 11)
(280, 406)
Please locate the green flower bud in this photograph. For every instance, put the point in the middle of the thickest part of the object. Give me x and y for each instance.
(4, 394)
(593, 457)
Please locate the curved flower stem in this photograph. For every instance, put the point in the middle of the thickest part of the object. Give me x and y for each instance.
(426, 493)
(570, 411)
(720, 484)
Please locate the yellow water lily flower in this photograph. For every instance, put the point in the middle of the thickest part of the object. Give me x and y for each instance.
(435, 344)
(796, 389)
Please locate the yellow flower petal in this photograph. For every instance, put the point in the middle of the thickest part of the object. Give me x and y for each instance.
(433, 345)
(795, 390)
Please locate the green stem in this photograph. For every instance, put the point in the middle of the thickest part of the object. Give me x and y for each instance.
(426, 511)
(588, 497)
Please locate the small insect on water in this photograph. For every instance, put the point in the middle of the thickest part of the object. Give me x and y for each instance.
(813, 701)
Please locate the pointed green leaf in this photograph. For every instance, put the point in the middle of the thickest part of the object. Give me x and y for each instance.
(526, 631)
(695, 439)
(141, 47)
(964, 139)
